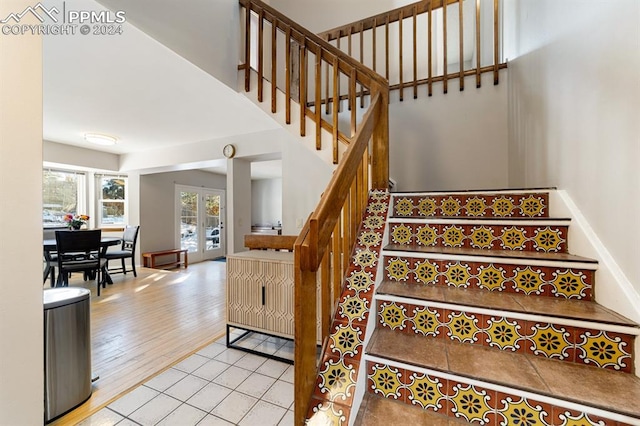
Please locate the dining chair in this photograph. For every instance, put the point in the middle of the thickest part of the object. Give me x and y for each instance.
(50, 256)
(127, 251)
(79, 251)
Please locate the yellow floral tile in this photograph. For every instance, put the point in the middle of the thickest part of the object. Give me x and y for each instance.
(521, 413)
(386, 381)
(482, 237)
(426, 272)
(370, 238)
(398, 269)
(491, 277)
(401, 234)
(502, 207)
(503, 334)
(548, 240)
(450, 207)
(457, 275)
(360, 280)
(604, 351)
(425, 391)
(463, 327)
(392, 315)
(529, 280)
(550, 341)
(453, 236)
(426, 207)
(475, 207)
(325, 413)
(427, 236)
(346, 340)
(569, 284)
(404, 207)
(531, 206)
(353, 308)
(425, 321)
(580, 419)
(513, 238)
(337, 380)
(365, 258)
(470, 404)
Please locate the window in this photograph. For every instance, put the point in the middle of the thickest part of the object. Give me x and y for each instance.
(62, 193)
(112, 193)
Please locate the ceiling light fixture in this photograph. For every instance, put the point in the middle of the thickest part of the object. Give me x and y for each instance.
(99, 139)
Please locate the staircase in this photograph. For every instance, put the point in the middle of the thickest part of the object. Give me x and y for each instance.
(479, 315)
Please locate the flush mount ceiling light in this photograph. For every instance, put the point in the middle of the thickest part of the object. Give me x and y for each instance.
(100, 139)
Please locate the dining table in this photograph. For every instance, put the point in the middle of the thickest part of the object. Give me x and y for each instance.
(49, 245)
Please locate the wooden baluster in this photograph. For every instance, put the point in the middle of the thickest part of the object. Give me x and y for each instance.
(380, 142)
(303, 89)
(336, 97)
(445, 82)
(496, 33)
(325, 294)
(461, 60)
(287, 70)
(386, 47)
(373, 41)
(274, 58)
(326, 89)
(353, 218)
(247, 48)
(400, 56)
(352, 100)
(415, 53)
(362, 62)
(260, 53)
(339, 100)
(429, 51)
(478, 63)
(337, 260)
(346, 248)
(349, 53)
(318, 101)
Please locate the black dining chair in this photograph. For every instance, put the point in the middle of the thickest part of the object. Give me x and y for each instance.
(127, 251)
(50, 257)
(79, 251)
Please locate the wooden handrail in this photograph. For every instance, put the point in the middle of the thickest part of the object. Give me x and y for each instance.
(269, 242)
(321, 251)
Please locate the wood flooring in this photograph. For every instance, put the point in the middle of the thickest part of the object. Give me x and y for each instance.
(141, 326)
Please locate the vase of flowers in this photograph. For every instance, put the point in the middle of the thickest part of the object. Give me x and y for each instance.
(75, 221)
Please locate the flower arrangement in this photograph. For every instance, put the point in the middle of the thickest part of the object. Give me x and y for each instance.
(75, 221)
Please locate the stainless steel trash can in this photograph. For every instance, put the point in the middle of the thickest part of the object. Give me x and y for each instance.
(67, 350)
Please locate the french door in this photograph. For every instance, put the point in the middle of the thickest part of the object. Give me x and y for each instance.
(200, 222)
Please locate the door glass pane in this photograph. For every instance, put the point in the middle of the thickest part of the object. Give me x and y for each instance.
(212, 221)
(189, 221)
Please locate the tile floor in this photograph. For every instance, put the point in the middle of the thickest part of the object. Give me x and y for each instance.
(215, 386)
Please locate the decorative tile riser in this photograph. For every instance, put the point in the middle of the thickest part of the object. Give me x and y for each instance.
(336, 380)
(598, 348)
(472, 205)
(471, 403)
(568, 283)
(547, 238)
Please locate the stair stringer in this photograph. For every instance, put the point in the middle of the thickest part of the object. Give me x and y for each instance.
(613, 289)
(309, 140)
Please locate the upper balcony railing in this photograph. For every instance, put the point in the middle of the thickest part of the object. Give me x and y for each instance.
(427, 42)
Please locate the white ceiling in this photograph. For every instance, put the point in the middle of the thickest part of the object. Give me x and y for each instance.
(136, 89)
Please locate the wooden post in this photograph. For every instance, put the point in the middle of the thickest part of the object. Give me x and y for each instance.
(380, 145)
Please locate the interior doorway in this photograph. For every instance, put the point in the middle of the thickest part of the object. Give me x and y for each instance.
(200, 222)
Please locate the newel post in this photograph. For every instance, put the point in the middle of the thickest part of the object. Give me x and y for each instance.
(380, 141)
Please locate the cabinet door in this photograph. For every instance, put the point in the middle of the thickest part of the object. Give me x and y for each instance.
(278, 304)
(244, 292)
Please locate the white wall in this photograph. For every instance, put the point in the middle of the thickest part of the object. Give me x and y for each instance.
(453, 141)
(574, 112)
(21, 326)
(266, 201)
(157, 204)
(62, 154)
(238, 203)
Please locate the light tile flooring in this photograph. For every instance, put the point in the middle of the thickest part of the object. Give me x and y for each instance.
(214, 386)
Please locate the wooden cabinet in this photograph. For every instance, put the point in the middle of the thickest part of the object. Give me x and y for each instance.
(260, 292)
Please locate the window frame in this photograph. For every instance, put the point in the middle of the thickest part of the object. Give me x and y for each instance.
(99, 200)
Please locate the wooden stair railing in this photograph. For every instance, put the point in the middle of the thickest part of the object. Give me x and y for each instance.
(399, 51)
(321, 251)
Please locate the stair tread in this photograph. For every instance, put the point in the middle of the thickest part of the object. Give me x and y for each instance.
(516, 219)
(507, 254)
(594, 387)
(477, 191)
(376, 410)
(511, 302)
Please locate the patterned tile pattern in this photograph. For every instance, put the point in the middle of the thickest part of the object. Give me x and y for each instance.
(336, 381)
(609, 350)
(542, 238)
(470, 403)
(472, 205)
(566, 283)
